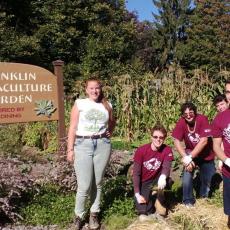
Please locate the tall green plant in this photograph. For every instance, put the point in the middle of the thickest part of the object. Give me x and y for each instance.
(140, 102)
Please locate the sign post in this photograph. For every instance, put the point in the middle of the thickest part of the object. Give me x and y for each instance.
(58, 71)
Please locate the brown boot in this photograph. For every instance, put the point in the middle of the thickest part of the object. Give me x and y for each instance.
(93, 221)
(78, 222)
(159, 204)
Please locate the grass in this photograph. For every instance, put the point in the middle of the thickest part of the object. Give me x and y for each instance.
(118, 222)
(49, 207)
(121, 144)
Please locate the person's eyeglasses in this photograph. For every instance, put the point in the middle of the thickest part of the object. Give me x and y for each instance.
(158, 137)
(227, 91)
(190, 114)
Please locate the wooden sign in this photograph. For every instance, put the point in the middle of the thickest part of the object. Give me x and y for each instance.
(27, 93)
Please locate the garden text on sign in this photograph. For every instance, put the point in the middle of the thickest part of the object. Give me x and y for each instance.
(27, 93)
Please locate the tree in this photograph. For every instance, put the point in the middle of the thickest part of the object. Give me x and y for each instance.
(208, 44)
(170, 29)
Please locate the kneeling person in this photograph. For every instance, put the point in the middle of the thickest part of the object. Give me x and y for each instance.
(152, 164)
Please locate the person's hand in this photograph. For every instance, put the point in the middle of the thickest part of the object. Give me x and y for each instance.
(161, 181)
(190, 166)
(187, 159)
(70, 155)
(227, 162)
(140, 198)
(108, 134)
(220, 165)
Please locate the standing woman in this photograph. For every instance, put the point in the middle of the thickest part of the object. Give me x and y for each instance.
(91, 126)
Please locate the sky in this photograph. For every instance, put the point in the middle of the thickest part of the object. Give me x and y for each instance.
(144, 8)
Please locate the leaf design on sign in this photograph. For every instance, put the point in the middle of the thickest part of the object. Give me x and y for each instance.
(44, 108)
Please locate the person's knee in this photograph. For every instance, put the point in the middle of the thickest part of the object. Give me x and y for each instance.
(187, 180)
(83, 190)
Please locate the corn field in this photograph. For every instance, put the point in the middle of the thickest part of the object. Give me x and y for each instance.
(142, 101)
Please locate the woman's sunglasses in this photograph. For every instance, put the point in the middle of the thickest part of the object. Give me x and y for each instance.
(159, 137)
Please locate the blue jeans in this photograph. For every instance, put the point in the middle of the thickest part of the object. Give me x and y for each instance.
(207, 170)
(226, 195)
(91, 159)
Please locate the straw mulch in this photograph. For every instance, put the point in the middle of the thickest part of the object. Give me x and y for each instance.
(204, 216)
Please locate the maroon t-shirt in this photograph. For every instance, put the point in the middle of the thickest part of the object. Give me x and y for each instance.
(221, 128)
(151, 161)
(191, 139)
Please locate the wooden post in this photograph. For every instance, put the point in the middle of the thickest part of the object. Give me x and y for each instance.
(58, 71)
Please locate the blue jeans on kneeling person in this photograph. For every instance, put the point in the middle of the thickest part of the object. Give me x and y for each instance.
(207, 170)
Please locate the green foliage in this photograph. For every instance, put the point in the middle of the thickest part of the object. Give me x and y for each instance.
(208, 47)
(140, 103)
(42, 135)
(114, 188)
(104, 39)
(32, 135)
(176, 191)
(121, 207)
(118, 222)
(49, 207)
(171, 24)
(217, 198)
(120, 144)
(177, 161)
(11, 139)
(118, 208)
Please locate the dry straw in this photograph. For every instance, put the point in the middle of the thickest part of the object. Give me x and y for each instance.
(204, 216)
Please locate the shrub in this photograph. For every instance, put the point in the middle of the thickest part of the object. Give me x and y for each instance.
(50, 206)
(121, 207)
(11, 139)
(14, 184)
(114, 189)
(40, 134)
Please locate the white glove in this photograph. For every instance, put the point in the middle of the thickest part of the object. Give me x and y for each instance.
(227, 162)
(220, 165)
(139, 198)
(161, 181)
(187, 160)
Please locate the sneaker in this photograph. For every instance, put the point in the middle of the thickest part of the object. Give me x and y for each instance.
(93, 221)
(189, 206)
(78, 223)
(143, 217)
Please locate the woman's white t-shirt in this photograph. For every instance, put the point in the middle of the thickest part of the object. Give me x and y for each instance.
(93, 117)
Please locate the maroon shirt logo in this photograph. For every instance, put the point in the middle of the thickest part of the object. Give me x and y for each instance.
(152, 164)
(194, 137)
(226, 133)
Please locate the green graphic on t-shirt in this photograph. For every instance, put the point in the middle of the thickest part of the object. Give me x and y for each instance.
(94, 116)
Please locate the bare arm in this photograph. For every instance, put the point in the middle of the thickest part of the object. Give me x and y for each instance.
(74, 116)
(111, 124)
(218, 149)
(189, 166)
(180, 149)
(199, 147)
